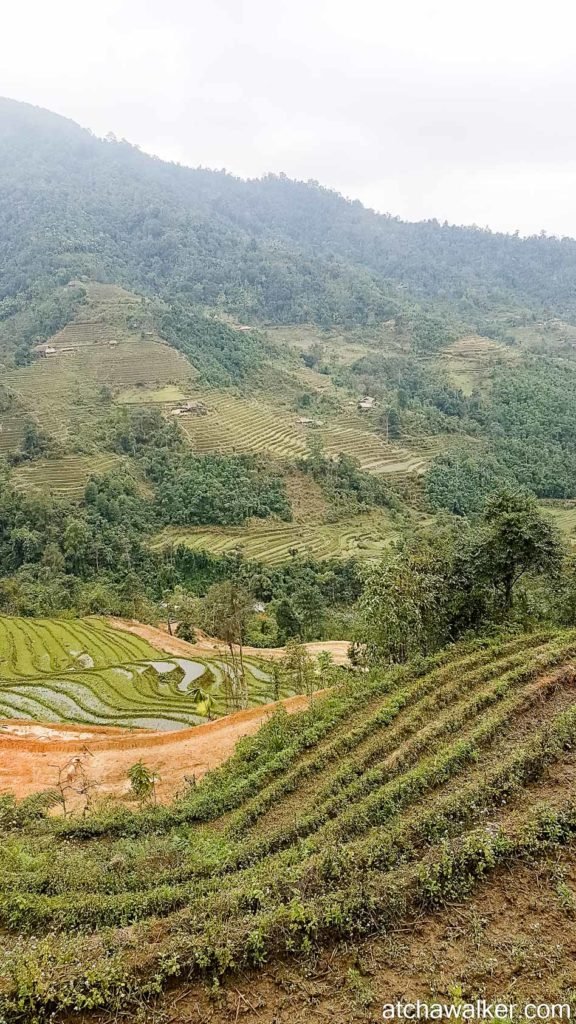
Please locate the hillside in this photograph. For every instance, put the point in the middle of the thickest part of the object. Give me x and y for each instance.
(256, 411)
(392, 796)
(274, 249)
(206, 379)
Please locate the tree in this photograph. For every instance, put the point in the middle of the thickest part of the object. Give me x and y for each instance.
(35, 441)
(310, 608)
(53, 557)
(184, 608)
(227, 608)
(73, 778)
(143, 782)
(402, 607)
(298, 668)
(76, 542)
(389, 423)
(517, 540)
(289, 624)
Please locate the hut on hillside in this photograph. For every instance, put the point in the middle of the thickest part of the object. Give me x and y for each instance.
(366, 403)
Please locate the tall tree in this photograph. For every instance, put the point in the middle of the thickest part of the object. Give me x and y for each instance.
(518, 540)
(227, 608)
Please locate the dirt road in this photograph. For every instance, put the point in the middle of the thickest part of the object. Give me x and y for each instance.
(30, 754)
(206, 645)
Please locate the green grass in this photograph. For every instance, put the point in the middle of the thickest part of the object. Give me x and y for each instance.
(563, 515)
(84, 672)
(363, 536)
(392, 795)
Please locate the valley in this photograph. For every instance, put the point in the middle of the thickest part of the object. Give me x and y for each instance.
(287, 597)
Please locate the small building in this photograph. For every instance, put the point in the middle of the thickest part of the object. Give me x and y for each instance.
(307, 421)
(190, 408)
(366, 403)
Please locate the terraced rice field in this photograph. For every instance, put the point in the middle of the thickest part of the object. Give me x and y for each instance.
(151, 396)
(364, 536)
(551, 336)
(371, 451)
(11, 432)
(63, 392)
(468, 360)
(108, 316)
(242, 424)
(144, 362)
(82, 333)
(340, 347)
(60, 396)
(245, 425)
(109, 345)
(393, 795)
(84, 672)
(563, 514)
(66, 477)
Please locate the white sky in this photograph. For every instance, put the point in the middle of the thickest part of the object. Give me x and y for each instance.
(422, 108)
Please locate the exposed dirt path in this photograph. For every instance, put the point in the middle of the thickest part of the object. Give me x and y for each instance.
(207, 645)
(30, 753)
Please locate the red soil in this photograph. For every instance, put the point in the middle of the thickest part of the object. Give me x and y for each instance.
(30, 753)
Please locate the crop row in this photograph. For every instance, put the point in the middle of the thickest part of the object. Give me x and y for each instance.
(381, 792)
(260, 761)
(372, 717)
(417, 702)
(438, 770)
(382, 825)
(364, 536)
(52, 974)
(521, 763)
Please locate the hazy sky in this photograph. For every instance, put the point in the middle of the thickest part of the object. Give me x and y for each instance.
(450, 109)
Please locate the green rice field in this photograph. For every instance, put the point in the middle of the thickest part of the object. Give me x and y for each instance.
(563, 515)
(66, 477)
(82, 671)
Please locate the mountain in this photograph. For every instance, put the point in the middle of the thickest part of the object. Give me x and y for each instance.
(271, 249)
(256, 411)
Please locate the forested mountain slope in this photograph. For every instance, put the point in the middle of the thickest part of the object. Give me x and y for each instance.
(273, 249)
(205, 379)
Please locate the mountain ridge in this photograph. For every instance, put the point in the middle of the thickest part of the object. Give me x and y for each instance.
(268, 249)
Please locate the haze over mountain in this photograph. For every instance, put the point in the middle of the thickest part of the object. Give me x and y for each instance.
(423, 109)
(270, 249)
